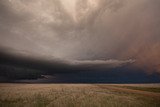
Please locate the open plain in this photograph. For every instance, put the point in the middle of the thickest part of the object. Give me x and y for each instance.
(79, 95)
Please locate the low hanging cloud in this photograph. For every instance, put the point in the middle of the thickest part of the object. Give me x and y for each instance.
(93, 65)
(90, 30)
(101, 63)
(55, 65)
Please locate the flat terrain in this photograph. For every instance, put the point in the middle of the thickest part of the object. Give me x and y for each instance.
(79, 95)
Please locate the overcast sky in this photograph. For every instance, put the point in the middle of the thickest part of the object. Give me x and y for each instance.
(90, 30)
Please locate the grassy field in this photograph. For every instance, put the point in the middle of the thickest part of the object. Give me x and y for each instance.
(79, 95)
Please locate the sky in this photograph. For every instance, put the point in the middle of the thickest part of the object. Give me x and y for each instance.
(83, 31)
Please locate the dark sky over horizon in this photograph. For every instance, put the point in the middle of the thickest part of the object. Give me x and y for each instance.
(83, 32)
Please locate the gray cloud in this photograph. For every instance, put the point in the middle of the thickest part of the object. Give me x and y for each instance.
(97, 30)
(100, 64)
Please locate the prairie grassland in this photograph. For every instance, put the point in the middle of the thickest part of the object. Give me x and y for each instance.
(77, 95)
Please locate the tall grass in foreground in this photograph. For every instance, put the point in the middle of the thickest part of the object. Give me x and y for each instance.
(63, 95)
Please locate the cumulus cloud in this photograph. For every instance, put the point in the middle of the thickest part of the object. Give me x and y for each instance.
(87, 30)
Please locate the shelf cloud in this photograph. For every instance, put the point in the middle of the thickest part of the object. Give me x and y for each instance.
(84, 31)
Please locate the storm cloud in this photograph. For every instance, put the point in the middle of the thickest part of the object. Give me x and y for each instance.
(88, 31)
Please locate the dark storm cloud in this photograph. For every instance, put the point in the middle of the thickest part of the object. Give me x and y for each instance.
(95, 30)
(57, 65)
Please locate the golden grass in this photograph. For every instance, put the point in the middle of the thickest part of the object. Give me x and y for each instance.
(73, 95)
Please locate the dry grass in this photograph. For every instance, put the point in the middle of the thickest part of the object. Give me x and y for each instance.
(74, 95)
